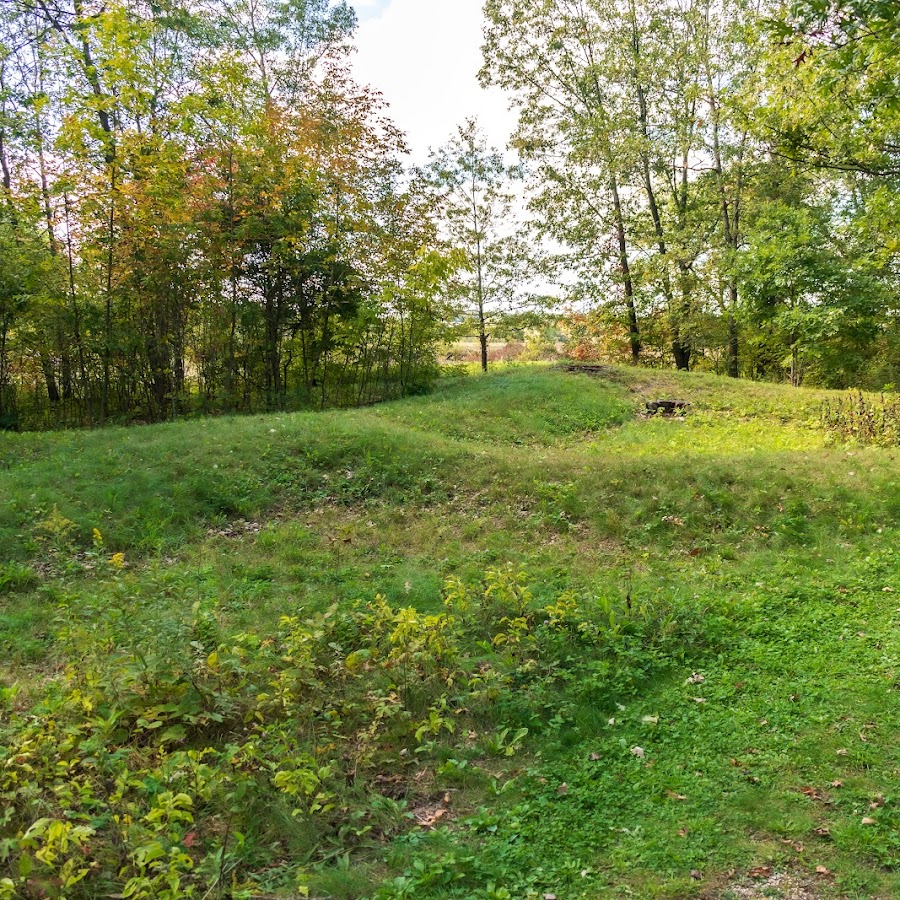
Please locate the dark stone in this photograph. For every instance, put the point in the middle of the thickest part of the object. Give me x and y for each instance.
(667, 407)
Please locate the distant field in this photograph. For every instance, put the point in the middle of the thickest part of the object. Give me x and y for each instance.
(613, 655)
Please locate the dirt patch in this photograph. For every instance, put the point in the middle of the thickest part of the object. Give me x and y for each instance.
(781, 885)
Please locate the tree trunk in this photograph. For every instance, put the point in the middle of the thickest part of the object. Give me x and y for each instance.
(733, 360)
(634, 333)
(681, 351)
(483, 340)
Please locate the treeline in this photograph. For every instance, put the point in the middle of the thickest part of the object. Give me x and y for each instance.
(723, 176)
(200, 210)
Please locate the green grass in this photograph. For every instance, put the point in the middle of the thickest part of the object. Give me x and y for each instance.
(767, 555)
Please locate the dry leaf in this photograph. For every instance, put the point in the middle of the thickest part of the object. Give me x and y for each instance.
(428, 818)
(595, 756)
(760, 872)
(868, 820)
(696, 875)
(821, 870)
(841, 752)
(638, 752)
(837, 784)
(562, 790)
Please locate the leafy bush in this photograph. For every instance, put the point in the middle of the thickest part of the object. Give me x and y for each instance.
(143, 769)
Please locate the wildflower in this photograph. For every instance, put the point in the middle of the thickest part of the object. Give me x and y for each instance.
(117, 560)
(98, 538)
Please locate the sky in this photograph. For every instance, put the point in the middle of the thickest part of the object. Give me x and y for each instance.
(424, 56)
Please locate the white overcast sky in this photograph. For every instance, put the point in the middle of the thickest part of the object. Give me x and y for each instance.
(424, 56)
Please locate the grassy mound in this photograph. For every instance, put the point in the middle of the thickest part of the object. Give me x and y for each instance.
(506, 640)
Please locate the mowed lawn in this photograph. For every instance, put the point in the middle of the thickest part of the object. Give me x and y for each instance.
(731, 728)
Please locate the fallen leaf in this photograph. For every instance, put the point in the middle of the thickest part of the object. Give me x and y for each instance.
(842, 752)
(562, 790)
(868, 820)
(822, 870)
(699, 699)
(190, 839)
(823, 831)
(428, 818)
(638, 752)
(595, 756)
(760, 872)
(837, 784)
(549, 896)
(650, 720)
(673, 796)
(696, 875)
(696, 678)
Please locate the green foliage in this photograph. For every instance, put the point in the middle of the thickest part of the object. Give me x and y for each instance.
(225, 226)
(153, 752)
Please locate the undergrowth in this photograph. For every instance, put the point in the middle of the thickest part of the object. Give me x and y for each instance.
(147, 766)
(863, 419)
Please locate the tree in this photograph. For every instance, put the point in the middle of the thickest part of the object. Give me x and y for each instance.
(803, 285)
(472, 187)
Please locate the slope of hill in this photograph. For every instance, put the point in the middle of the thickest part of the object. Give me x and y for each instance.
(512, 639)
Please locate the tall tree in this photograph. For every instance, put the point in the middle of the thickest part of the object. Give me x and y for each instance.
(473, 188)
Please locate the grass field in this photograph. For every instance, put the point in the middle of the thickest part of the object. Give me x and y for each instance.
(614, 656)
